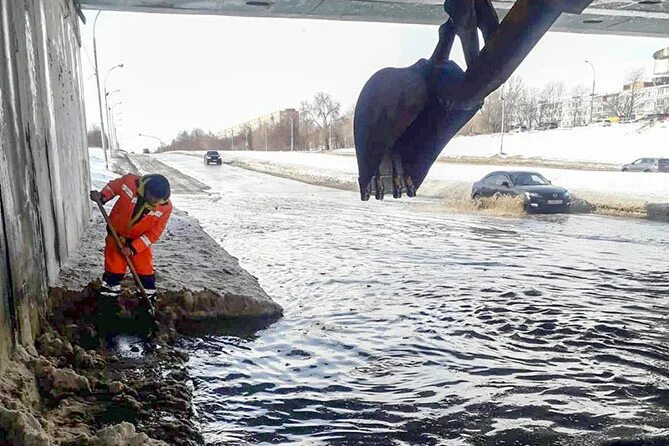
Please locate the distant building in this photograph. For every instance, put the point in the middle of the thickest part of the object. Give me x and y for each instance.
(284, 118)
(642, 98)
(661, 68)
(274, 131)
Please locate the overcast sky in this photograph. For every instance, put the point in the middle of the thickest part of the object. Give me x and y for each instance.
(213, 72)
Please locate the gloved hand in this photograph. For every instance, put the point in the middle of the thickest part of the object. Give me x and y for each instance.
(96, 196)
(127, 251)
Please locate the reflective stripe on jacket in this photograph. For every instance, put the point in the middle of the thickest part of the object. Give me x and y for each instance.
(149, 228)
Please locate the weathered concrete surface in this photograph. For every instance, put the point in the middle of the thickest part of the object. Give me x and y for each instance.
(647, 18)
(43, 158)
(209, 281)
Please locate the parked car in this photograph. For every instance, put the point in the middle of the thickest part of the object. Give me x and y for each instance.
(663, 165)
(642, 165)
(659, 117)
(146, 151)
(538, 194)
(547, 126)
(212, 157)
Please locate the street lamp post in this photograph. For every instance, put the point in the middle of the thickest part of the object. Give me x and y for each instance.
(152, 137)
(107, 96)
(105, 90)
(117, 124)
(112, 128)
(592, 96)
(292, 135)
(97, 78)
(501, 139)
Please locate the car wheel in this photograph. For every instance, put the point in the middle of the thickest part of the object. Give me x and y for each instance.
(625, 169)
(647, 170)
(476, 196)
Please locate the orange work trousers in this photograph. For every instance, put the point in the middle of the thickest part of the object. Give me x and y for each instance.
(115, 262)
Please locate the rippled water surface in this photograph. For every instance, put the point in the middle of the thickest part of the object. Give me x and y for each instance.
(407, 325)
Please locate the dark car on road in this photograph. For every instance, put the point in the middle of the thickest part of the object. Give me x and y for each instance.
(213, 157)
(538, 194)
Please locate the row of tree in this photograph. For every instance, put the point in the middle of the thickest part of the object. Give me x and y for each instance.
(321, 125)
(531, 107)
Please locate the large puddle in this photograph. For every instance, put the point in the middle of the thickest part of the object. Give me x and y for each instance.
(407, 325)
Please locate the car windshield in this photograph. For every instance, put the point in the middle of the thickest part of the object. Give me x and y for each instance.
(528, 179)
(212, 152)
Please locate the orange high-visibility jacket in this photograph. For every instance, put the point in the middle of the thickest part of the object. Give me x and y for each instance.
(149, 228)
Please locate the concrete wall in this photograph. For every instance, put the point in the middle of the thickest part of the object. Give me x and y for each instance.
(43, 159)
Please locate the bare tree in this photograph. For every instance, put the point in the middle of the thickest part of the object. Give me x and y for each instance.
(550, 102)
(342, 130)
(94, 138)
(478, 125)
(528, 108)
(552, 92)
(492, 109)
(579, 105)
(615, 105)
(322, 111)
(196, 139)
(631, 94)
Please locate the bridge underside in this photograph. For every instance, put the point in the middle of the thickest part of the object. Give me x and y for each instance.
(624, 17)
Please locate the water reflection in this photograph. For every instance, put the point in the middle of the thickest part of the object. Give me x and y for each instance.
(409, 327)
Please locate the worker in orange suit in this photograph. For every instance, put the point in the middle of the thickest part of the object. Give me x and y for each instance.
(139, 217)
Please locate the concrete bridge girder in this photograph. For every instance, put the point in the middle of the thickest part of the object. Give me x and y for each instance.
(601, 17)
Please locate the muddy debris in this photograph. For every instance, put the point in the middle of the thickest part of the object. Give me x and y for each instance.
(82, 384)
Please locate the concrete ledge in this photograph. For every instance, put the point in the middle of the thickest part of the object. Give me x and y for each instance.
(190, 267)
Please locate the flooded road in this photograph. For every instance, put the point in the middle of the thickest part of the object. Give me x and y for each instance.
(407, 325)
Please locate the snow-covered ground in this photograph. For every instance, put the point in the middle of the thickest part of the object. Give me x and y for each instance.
(616, 144)
(448, 180)
(579, 148)
(99, 174)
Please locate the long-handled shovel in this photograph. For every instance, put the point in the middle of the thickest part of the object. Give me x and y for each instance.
(133, 271)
